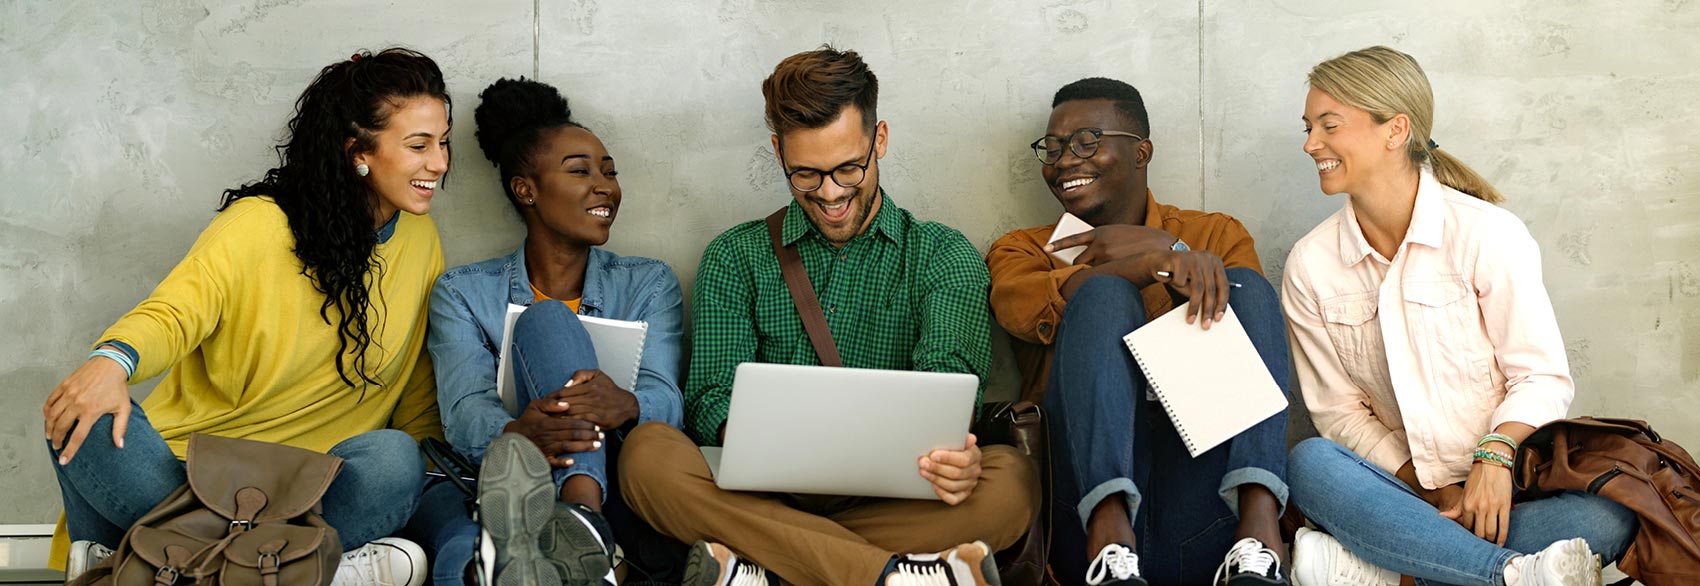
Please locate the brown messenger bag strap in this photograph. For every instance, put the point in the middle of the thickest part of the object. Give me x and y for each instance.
(802, 292)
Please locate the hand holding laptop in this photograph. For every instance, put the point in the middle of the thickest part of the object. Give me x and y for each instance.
(953, 473)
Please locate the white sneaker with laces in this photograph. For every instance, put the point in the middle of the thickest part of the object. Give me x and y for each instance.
(1115, 564)
(1564, 563)
(84, 555)
(1320, 560)
(388, 561)
(963, 565)
(1250, 562)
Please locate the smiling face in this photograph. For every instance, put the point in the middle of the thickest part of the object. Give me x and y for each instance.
(1350, 148)
(1108, 187)
(839, 213)
(408, 157)
(574, 189)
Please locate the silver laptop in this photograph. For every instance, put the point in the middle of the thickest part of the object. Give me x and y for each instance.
(843, 431)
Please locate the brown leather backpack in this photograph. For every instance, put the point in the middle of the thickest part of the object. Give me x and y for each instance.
(249, 516)
(1626, 461)
(1016, 424)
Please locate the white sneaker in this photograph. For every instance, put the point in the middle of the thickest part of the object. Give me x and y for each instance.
(1320, 560)
(1249, 562)
(1564, 563)
(713, 564)
(388, 561)
(84, 555)
(1115, 564)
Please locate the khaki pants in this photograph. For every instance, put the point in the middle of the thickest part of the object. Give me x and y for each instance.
(808, 539)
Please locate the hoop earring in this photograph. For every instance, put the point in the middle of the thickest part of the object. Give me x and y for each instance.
(362, 170)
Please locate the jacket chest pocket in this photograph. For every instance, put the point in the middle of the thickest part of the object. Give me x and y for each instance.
(1446, 331)
(1354, 327)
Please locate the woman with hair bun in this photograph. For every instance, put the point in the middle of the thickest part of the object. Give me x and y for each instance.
(297, 317)
(1427, 349)
(546, 470)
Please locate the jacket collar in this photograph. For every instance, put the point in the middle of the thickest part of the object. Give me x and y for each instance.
(595, 279)
(1428, 222)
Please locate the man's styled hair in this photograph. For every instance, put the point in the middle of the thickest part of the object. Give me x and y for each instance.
(1125, 97)
(810, 90)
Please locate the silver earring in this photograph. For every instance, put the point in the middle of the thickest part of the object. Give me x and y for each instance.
(362, 170)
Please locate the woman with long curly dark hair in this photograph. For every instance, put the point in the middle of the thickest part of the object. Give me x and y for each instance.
(547, 489)
(298, 318)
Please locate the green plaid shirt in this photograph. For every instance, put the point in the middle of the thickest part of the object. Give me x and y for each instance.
(905, 295)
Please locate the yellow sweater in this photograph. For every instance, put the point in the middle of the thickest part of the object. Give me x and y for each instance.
(237, 324)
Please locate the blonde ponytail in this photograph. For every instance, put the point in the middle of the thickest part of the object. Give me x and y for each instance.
(1385, 83)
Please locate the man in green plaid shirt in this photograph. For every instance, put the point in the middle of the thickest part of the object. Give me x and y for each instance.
(898, 294)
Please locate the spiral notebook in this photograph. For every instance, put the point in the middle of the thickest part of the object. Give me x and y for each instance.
(618, 343)
(1212, 383)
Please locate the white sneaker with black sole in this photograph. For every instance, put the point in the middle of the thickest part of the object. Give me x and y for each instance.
(84, 555)
(389, 561)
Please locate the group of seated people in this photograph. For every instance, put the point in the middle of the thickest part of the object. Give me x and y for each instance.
(315, 312)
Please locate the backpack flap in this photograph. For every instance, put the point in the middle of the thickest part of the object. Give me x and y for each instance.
(257, 482)
(159, 557)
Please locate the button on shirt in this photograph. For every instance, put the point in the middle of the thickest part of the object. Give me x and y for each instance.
(1415, 358)
(903, 295)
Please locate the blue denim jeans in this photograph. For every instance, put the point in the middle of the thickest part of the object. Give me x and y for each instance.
(1108, 441)
(106, 489)
(550, 344)
(1379, 518)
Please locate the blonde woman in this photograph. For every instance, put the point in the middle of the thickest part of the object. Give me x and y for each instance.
(1426, 349)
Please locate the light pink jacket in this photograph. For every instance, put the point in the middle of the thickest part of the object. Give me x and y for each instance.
(1416, 358)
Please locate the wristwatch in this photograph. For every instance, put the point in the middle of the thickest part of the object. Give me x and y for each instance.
(1179, 246)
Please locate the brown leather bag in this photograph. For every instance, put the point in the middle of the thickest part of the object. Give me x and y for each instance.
(249, 516)
(1017, 424)
(1626, 461)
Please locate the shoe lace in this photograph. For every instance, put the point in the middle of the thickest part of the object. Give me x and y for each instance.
(1114, 561)
(746, 573)
(1351, 569)
(362, 566)
(1248, 555)
(922, 572)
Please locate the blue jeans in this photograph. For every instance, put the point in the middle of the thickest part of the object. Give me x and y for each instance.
(1107, 440)
(106, 489)
(1379, 518)
(549, 346)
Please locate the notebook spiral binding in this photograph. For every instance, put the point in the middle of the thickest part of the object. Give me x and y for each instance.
(1161, 398)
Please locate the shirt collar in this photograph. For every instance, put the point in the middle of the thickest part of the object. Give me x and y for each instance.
(519, 280)
(1155, 213)
(1428, 222)
(388, 229)
(886, 222)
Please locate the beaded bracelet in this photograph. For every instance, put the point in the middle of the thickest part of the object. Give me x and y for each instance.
(116, 356)
(1498, 437)
(1487, 455)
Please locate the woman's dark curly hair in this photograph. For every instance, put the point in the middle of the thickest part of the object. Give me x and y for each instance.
(329, 207)
(512, 116)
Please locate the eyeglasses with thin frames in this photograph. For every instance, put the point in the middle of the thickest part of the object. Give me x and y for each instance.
(1083, 143)
(807, 179)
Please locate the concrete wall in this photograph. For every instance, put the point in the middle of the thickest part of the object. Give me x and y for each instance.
(125, 120)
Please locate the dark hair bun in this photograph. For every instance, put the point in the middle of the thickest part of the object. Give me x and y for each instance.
(516, 108)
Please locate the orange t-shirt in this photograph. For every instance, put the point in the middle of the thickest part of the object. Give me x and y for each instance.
(537, 296)
(1027, 282)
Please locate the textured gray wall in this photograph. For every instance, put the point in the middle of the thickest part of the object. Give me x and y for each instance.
(124, 122)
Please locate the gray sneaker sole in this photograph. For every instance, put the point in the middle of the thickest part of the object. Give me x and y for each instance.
(516, 499)
(577, 548)
(701, 569)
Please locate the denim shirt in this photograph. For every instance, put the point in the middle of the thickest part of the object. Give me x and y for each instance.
(468, 307)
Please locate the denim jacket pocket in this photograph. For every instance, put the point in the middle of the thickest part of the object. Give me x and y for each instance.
(1354, 327)
(1445, 324)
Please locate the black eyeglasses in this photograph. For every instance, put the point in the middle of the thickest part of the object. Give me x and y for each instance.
(807, 179)
(1083, 142)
